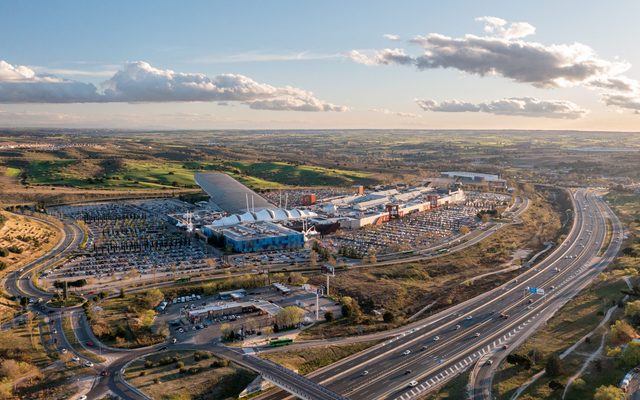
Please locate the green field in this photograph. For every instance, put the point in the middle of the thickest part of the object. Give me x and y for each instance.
(12, 172)
(152, 174)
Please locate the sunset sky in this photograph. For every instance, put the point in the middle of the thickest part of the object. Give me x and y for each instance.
(330, 64)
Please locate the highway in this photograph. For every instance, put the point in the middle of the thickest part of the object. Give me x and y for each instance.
(444, 345)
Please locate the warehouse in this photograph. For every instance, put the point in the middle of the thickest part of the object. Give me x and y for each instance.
(257, 236)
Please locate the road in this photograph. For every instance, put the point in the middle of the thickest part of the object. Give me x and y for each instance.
(468, 331)
(20, 283)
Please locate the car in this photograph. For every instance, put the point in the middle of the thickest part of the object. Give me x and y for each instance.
(477, 334)
(180, 330)
(469, 317)
(530, 301)
(504, 347)
(89, 343)
(54, 331)
(163, 348)
(413, 383)
(407, 372)
(458, 327)
(365, 372)
(174, 340)
(406, 352)
(104, 372)
(83, 397)
(88, 364)
(63, 351)
(436, 338)
(489, 362)
(424, 348)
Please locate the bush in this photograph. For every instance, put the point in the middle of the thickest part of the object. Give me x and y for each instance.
(219, 364)
(4, 252)
(553, 367)
(179, 364)
(328, 316)
(143, 373)
(148, 364)
(388, 317)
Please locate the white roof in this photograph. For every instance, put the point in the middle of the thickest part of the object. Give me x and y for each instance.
(247, 217)
(263, 215)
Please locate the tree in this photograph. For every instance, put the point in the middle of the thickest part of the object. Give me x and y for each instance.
(296, 278)
(388, 317)
(553, 367)
(313, 259)
(122, 293)
(152, 298)
(464, 230)
(632, 310)
(328, 316)
(622, 332)
(630, 357)
(289, 316)
(226, 331)
(608, 392)
(350, 308)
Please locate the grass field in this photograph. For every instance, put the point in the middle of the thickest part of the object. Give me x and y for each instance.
(308, 360)
(124, 322)
(181, 376)
(156, 174)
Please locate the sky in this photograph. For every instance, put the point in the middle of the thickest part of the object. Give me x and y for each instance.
(320, 65)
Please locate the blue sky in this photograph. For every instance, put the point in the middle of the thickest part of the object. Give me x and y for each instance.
(308, 46)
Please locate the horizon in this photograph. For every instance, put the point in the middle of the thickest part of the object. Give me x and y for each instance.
(407, 65)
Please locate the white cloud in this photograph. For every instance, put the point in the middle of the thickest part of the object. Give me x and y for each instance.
(513, 106)
(401, 114)
(141, 82)
(391, 36)
(502, 52)
(499, 27)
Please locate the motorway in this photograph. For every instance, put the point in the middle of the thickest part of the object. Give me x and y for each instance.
(444, 345)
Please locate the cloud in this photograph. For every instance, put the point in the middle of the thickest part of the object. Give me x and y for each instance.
(395, 113)
(141, 82)
(392, 37)
(502, 52)
(625, 101)
(259, 56)
(499, 27)
(514, 106)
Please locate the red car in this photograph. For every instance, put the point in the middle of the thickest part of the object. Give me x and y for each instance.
(89, 343)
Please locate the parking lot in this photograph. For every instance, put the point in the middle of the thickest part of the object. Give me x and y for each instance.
(419, 230)
(130, 239)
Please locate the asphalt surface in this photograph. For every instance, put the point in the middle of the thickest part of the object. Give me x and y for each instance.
(432, 362)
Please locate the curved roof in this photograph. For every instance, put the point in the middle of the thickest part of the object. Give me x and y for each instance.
(263, 215)
(229, 194)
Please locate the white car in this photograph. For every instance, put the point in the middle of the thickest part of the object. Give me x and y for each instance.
(406, 352)
(413, 383)
(469, 317)
(88, 364)
(436, 338)
(75, 358)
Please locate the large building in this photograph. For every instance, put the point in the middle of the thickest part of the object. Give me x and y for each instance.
(477, 179)
(256, 236)
(359, 210)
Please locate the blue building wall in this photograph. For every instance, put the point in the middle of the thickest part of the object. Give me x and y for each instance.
(295, 240)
